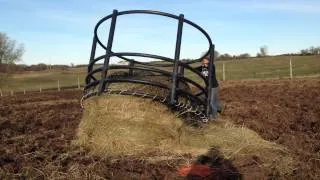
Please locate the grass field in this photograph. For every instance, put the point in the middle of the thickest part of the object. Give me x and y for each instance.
(254, 68)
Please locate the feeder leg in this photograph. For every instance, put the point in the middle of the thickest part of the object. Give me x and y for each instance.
(215, 104)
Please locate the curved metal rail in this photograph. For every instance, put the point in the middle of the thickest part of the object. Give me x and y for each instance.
(97, 86)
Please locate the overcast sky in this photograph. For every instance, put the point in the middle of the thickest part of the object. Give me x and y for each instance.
(60, 31)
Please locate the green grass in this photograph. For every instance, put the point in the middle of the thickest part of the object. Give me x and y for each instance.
(254, 68)
(271, 67)
(45, 80)
(267, 68)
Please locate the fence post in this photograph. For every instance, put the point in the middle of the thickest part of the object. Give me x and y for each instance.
(223, 72)
(24, 91)
(58, 86)
(1, 93)
(78, 82)
(290, 69)
(11, 92)
(40, 89)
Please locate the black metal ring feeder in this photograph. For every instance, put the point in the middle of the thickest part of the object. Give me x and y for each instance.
(200, 103)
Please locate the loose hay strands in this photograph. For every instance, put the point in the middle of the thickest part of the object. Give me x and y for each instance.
(121, 126)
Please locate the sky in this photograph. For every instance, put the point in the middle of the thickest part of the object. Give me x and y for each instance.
(61, 31)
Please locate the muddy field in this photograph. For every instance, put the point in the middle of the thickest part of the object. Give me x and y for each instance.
(36, 132)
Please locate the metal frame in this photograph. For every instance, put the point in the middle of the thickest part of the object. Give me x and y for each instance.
(177, 73)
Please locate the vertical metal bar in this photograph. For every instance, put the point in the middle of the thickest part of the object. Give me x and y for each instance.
(176, 59)
(92, 55)
(131, 64)
(108, 53)
(181, 70)
(180, 73)
(212, 80)
(93, 51)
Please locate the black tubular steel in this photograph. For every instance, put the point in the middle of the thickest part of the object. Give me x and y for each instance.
(108, 52)
(186, 66)
(131, 65)
(210, 84)
(156, 13)
(202, 90)
(93, 51)
(176, 60)
(200, 97)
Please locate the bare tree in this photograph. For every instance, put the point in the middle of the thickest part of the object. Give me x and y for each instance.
(318, 50)
(263, 51)
(10, 52)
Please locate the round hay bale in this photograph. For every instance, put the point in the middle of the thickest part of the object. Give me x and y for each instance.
(127, 125)
(120, 125)
(130, 126)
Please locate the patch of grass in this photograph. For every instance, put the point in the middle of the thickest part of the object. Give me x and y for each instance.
(122, 125)
(267, 68)
(253, 68)
(32, 81)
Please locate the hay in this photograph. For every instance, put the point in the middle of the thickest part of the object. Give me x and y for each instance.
(125, 125)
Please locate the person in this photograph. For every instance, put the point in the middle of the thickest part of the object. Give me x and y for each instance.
(204, 67)
(214, 98)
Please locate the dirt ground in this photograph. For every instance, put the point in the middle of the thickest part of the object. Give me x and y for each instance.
(282, 111)
(36, 133)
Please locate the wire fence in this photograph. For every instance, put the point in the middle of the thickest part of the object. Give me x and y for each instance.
(284, 68)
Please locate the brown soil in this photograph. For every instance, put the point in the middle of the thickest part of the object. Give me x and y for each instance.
(286, 112)
(36, 133)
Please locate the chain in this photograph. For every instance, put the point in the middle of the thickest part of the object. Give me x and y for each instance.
(182, 106)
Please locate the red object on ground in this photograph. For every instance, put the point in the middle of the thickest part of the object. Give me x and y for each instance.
(196, 170)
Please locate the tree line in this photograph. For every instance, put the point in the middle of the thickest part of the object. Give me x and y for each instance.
(310, 51)
(12, 52)
(263, 52)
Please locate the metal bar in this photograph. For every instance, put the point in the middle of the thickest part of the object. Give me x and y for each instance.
(181, 70)
(213, 66)
(161, 14)
(186, 66)
(92, 55)
(157, 84)
(176, 60)
(131, 65)
(162, 72)
(210, 79)
(180, 74)
(108, 52)
(93, 51)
